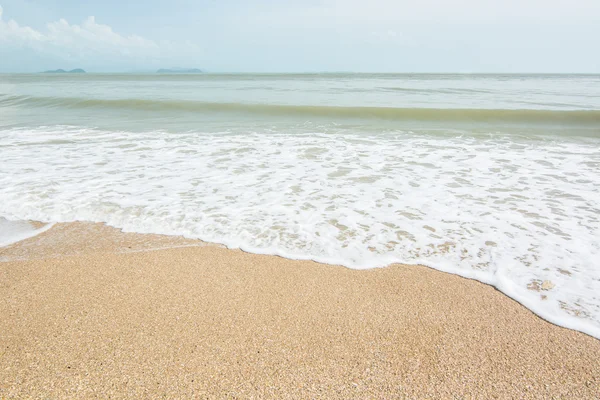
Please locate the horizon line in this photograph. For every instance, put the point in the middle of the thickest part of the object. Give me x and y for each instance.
(155, 72)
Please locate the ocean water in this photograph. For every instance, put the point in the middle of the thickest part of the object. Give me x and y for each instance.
(491, 177)
(15, 231)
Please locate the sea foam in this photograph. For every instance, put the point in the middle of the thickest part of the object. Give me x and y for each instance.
(15, 231)
(519, 213)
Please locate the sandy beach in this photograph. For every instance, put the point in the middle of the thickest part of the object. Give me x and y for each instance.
(91, 312)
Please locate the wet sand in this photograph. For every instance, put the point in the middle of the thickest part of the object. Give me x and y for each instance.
(90, 312)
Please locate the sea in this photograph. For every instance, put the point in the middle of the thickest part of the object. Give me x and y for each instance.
(488, 176)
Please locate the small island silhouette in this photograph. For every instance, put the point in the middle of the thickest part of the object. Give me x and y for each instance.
(179, 71)
(62, 71)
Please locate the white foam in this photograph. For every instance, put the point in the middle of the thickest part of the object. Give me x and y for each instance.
(15, 231)
(505, 210)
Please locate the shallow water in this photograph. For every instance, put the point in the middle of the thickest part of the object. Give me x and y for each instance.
(15, 231)
(492, 177)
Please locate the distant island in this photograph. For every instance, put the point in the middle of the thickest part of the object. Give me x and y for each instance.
(179, 71)
(62, 71)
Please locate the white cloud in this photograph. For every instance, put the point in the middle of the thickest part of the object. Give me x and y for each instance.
(460, 10)
(87, 42)
(441, 11)
(91, 35)
(11, 31)
(391, 36)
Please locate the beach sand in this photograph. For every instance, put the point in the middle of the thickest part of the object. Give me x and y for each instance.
(87, 311)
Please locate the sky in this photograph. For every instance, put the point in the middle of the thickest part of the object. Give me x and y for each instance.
(467, 36)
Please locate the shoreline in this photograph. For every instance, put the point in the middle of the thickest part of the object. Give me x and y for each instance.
(97, 314)
(155, 241)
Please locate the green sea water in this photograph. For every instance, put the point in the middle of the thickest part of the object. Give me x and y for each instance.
(182, 102)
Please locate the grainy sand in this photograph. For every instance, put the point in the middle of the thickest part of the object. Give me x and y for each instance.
(87, 311)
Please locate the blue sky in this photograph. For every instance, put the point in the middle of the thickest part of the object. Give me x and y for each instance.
(302, 35)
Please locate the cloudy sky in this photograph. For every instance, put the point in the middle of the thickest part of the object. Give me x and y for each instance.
(302, 35)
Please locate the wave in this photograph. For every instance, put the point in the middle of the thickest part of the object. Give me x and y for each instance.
(517, 116)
